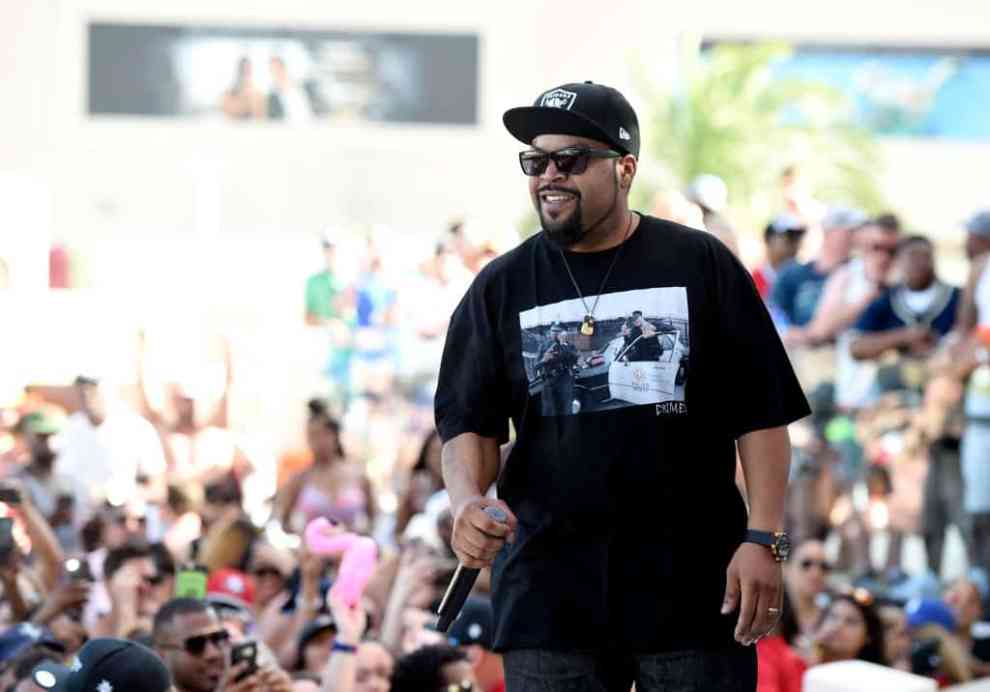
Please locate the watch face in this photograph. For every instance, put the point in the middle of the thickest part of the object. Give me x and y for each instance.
(782, 547)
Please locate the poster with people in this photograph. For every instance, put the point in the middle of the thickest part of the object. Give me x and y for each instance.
(282, 75)
(636, 355)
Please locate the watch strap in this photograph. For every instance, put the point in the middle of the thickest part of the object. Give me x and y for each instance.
(766, 538)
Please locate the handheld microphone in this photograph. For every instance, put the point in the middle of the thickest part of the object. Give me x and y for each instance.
(461, 584)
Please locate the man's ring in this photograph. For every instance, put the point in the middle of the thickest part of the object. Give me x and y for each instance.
(773, 611)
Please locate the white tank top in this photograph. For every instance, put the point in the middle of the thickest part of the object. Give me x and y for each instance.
(854, 378)
(978, 390)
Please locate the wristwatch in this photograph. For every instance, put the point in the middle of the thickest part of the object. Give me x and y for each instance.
(778, 542)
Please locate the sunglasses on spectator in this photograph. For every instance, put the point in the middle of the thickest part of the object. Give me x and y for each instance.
(195, 646)
(808, 563)
(569, 161)
(878, 248)
(261, 572)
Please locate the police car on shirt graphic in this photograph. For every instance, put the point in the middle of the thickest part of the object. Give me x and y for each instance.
(620, 375)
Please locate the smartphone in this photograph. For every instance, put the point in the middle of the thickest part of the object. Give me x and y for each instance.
(190, 582)
(78, 570)
(245, 652)
(10, 496)
(6, 539)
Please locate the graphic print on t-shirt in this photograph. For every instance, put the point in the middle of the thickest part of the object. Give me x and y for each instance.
(636, 355)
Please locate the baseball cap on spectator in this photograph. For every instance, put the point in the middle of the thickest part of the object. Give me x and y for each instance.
(19, 637)
(843, 217)
(929, 611)
(41, 422)
(323, 623)
(709, 192)
(582, 109)
(979, 223)
(106, 665)
(475, 624)
(784, 223)
(230, 585)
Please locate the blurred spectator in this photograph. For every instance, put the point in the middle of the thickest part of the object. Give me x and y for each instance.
(288, 100)
(355, 666)
(780, 668)
(969, 362)
(20, 638)
(711, 195)
(911, 317)
(434, 668)
(16, 673)
(805, 581)
(188, 636)
(964, 599)
(270, 568)
(105, 665)
(897, 637)
(329, 303)
(782, 237)
(50, 492)
(315, 643)
(130, 593)
(333, 487)
(462, 246)
(30, 560)
(847, 293)
(937, 652)
(105, 447)
(244, 101)
(375, 326)
(850, 628)
(799, 286)
(198, 447)
(424, 481)
(473, 633)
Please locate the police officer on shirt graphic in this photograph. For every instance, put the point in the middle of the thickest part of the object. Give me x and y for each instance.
(555, 365)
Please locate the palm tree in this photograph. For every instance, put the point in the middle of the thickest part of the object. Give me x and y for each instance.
(729, 115)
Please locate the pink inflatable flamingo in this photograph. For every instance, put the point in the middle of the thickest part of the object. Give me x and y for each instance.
(360, 554)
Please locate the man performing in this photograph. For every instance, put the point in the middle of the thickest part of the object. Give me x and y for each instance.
(555, 365)
(628, 554)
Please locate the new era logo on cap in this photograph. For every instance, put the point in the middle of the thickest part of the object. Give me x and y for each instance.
(623, 134)
(558, 98)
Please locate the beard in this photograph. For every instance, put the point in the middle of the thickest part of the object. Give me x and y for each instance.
(564, 232)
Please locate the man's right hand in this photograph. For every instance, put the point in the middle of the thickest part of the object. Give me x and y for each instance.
(477, 537)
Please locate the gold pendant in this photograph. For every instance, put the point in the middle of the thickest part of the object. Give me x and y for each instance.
(588, 325)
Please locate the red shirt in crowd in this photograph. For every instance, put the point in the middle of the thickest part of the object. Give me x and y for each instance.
(780, 669)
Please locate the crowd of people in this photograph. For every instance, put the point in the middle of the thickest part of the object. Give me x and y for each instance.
(127, 534)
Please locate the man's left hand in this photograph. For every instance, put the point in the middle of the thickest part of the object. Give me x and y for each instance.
(754, 586)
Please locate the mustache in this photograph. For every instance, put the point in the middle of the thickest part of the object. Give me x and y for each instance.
(558, 188)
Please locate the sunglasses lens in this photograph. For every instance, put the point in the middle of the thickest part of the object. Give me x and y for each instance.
(571, 163)
(195, 646)
(534, 163)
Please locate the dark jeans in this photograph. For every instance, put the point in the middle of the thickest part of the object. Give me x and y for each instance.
(535, 670)
(943, 501)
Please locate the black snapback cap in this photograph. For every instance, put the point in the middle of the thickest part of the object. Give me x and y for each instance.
(582, 109)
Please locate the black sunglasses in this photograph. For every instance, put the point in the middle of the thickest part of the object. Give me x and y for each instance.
(262, 572)
(808, 564)
(195, 646)
(569, 161)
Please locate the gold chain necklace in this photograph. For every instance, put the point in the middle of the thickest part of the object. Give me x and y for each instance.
(588, 323)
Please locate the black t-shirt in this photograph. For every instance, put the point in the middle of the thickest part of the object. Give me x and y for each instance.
(627, 505)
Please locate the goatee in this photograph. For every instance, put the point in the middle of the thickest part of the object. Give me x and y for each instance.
(564, 233)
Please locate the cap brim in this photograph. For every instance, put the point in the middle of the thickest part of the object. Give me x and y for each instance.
(51, 676)
(526, 123)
